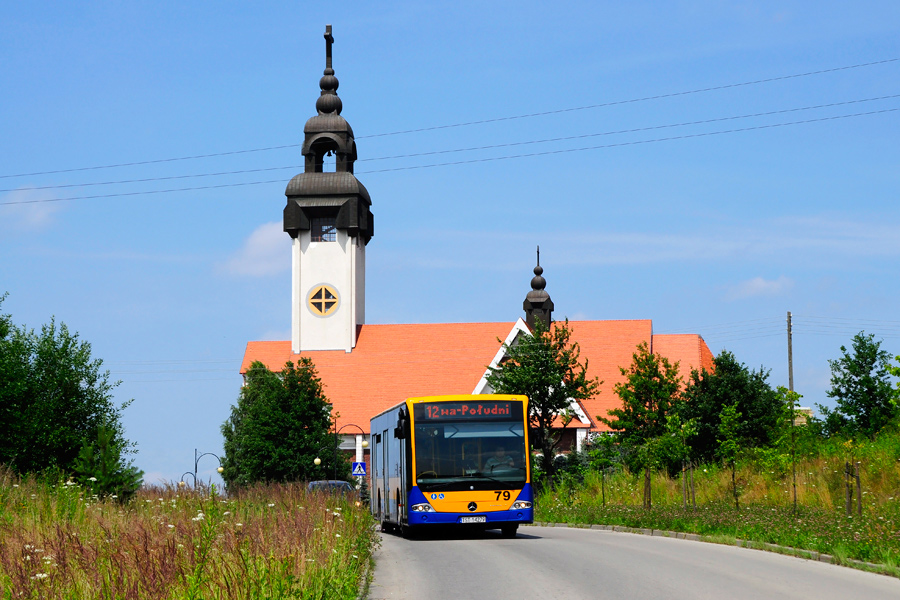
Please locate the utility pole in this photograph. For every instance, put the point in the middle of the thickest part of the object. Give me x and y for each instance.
(791, 398)
(790, 356)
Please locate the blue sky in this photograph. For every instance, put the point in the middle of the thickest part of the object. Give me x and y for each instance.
(713, 233)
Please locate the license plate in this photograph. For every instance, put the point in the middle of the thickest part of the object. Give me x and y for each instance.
(481, 519)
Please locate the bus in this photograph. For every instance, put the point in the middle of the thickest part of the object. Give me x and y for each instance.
(452, 460)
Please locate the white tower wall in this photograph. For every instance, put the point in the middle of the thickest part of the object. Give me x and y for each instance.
(340, 265)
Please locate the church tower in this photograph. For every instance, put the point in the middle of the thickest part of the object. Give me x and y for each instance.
(329, 218)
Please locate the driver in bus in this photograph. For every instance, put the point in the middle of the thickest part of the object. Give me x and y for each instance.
(500, 461)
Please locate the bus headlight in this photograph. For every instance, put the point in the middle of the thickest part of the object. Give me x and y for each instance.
(422, 508)
(520, 504)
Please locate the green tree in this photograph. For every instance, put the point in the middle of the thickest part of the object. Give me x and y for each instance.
(731, 383)
(101, 467)
(676, 449)
(861, 388)
(730, 443)
(545, 366)
(53, 397)
(895, 371)
(650, 394)
(278, 428)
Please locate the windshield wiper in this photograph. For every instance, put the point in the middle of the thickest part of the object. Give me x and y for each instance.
(439, 485)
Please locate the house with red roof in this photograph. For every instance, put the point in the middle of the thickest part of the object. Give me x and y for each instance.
(367, 368)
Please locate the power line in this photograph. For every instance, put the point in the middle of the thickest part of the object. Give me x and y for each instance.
(876, 321)
(464, 162)
(634, 100)
(470, 123)
(634, 143)
(635, 130)
(739, 324)
(470, 149)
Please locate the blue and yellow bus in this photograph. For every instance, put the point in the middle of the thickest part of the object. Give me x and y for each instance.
(452, 460)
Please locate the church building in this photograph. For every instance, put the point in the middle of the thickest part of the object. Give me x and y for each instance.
(367, 368)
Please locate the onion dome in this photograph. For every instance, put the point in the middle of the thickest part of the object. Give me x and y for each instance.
(538, 305)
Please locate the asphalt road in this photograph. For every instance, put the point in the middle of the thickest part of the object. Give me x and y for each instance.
(555, 562)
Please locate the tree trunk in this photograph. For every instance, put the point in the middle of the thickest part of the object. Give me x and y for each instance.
(693, 490)
(647, 499)
(603, 486)
(734, 483)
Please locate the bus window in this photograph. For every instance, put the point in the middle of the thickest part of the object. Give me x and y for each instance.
(459, 454)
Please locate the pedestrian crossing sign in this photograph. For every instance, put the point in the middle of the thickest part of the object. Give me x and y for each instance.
(359, 469)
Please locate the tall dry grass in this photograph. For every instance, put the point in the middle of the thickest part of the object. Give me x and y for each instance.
(276, 541)
(820, 479)
(766, 513)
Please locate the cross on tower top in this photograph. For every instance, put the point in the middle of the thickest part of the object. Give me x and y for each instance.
(329, 40)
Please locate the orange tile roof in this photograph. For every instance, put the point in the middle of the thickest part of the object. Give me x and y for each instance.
(689, 349)
(393, 362)
(607, 345)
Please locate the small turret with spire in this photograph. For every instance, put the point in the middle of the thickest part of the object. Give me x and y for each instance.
(538, 305)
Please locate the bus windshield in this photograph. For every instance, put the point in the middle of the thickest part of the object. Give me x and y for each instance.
(463, 455)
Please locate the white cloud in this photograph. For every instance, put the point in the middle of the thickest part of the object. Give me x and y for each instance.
(265, 252)
(759, 286)
(27, 210)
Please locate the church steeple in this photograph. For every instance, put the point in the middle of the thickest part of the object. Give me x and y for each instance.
(329, 218)
(538, 306)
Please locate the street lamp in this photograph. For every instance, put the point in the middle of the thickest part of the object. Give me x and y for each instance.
(197, 457)
(337, 434)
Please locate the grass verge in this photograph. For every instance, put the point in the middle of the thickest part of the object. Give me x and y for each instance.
(276, 541)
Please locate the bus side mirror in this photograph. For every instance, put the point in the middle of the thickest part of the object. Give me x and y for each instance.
(402, 425)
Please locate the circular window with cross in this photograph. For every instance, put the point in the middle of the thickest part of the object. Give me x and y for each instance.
(323, 300)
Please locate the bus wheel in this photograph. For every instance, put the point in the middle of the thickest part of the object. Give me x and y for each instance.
(509, 531)
(410, 533)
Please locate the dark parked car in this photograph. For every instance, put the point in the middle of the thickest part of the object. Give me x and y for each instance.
(331, 486)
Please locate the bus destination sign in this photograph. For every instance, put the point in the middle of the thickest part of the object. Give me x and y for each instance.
(469, 411)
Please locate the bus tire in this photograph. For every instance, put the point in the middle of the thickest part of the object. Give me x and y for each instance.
(509, 531)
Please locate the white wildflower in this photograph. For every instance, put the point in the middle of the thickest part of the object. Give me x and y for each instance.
(41, 576)
(271, 505)
(170, 526)
(92, 479)
(226, 513)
